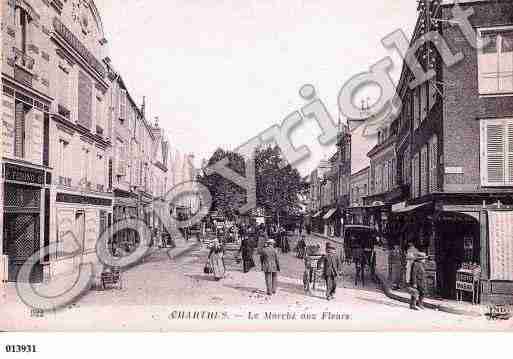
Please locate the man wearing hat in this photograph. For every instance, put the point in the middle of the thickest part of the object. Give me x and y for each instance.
(331, 268)
(418, 281)
(270, 266)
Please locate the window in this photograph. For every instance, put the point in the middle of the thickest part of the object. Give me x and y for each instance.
(122, 105)
(423, 170)
(416, 108)
(85, 100)
(433, 94)
(99, 115)
(495, 61)
(433, 164)
(415, 178)
(385, 176)
(63, 91)
(64, 159)
(85, 175)
(19, 130)
(497, 152)
(423, 101)
(23, 26)
(393, 173)
(100, 171)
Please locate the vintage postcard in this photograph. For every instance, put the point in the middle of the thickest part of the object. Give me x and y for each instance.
(298, 165)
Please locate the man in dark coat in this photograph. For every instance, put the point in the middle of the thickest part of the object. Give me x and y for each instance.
(418, 281)
(270, 266)
(331, 268)
(246, 251)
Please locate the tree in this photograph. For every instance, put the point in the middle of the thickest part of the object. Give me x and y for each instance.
(227, 197)
(278, 189)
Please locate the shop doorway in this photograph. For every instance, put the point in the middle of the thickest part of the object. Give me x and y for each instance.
(21, 241)
(459, 242)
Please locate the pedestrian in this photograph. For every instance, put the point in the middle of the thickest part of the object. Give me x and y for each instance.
(216, 260)
(411, 254)
(301, 247)
(246, 251)
(418, 282)
(270, 266)
(331, 269)
(284, 240)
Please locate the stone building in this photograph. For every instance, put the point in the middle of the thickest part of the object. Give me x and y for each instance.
(80, 140)
(53, 131)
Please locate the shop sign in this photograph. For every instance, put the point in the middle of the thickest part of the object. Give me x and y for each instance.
(77, 199)
(78, 46)
(23, 174)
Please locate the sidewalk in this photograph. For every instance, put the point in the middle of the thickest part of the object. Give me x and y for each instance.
(59, 285)
(446, 305)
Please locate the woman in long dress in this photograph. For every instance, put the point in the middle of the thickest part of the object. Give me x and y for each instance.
(215, 258)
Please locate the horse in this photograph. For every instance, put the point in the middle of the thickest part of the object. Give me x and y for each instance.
(363, 257)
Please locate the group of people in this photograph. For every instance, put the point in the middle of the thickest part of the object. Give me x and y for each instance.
(329, 264)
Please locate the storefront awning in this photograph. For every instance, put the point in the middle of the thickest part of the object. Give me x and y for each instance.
(402, 208)
(329, 213)
(317, 214)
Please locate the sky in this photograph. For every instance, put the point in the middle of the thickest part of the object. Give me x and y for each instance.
(217, 73)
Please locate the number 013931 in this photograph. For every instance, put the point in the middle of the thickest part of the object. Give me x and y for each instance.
(24, 348)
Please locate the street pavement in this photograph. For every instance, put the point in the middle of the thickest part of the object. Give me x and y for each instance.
(166, 284)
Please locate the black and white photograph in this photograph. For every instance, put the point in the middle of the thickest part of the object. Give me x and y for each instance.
(275, 166)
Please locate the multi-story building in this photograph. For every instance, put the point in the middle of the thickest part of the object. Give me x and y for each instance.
(160, 172)
(458, 149)
(54, 137)
(81, 200)
(384, 189)
(359, 187)
(26, 102)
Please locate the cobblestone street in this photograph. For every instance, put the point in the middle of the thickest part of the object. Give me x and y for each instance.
(161, 286)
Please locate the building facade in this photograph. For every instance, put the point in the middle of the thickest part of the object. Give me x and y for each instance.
(77, 152)
(53, 87)
(455, 154)
(359, 187)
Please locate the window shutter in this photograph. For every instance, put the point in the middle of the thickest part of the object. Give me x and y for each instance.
(494, 161)
(19, 130)
(509, 153)
(433, 164)
(423, 171)
(122, 105)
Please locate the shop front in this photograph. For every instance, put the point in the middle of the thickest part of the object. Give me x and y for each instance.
(80, 219)
(124, 207)
(459, 234)
(25, 218)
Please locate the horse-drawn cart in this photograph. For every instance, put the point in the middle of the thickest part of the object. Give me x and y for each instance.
(359, 243)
